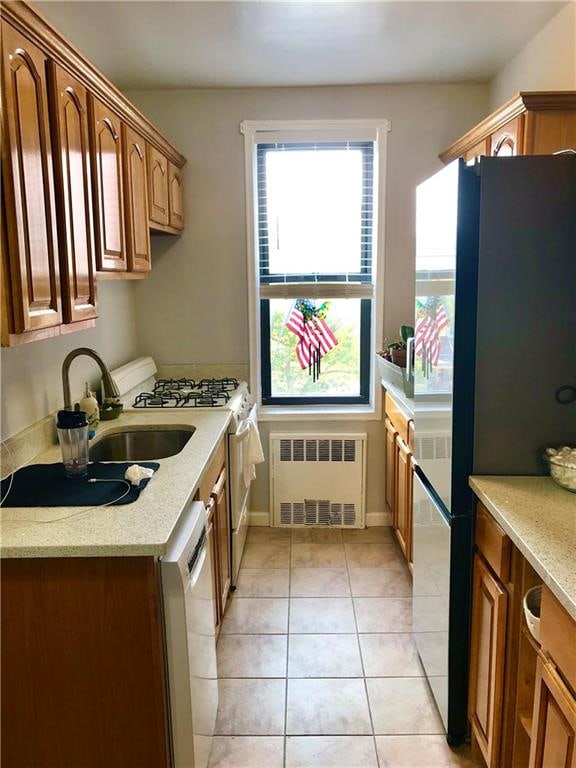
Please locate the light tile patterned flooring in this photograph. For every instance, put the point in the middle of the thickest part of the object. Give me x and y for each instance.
(316, 664)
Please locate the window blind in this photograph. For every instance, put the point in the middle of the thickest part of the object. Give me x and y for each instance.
(355, 283)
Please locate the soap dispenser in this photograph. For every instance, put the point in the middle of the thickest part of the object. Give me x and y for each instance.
(89, 405)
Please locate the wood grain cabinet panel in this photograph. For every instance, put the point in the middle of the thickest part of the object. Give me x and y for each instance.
(158, 206)
(69, 102)
(508, 140)
(554, 721)
(108, 188)
(404, 498)
(136, 202)
(175, 197)
(391, 434)
(83, 665)
(223, 524)
(28, 183)
(487, 652)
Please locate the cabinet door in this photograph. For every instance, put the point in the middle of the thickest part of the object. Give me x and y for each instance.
(223, 524)
(212, 536)
(136, 201)
(175, 197)
(404, 498)
(554, 721)
(69, 103)
(489, 611)
(391, 469)
(108, 190)
(28, 186)
(157, 187)
(507, 141)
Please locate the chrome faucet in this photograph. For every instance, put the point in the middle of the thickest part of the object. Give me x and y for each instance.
(110, 390)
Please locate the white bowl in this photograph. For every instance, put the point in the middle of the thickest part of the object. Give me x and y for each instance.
(531, 602)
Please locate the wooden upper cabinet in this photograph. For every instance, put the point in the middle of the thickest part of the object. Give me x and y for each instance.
(553, 743)
(487, 653)
(175, 197)
(69, 103)
(108, 188)
(32, 258)
(532, 123)
(136, 202)
(507, 141)
(158, 206)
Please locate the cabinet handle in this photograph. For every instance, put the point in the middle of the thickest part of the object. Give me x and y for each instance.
(210, 504)
(137, 148)
(219, 483)
(108, 123)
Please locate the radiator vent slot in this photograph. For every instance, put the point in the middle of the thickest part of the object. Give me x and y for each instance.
(317, 450)
(318, 479)
(433, 447)
(318, 512)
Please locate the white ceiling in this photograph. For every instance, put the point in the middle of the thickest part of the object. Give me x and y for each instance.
(168, 44)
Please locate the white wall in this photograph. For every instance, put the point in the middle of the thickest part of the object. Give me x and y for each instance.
(31, 374)
(546, 63)
(194, 307)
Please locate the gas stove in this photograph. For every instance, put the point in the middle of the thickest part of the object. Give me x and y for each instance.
(188, 393)
(140, 389)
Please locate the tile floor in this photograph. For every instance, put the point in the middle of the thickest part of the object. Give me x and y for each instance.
(316, 664)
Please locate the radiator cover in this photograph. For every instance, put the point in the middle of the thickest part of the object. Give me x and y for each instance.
(318, 479)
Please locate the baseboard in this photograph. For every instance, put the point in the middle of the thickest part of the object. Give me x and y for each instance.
(258, 518)
(378, 518)
(373, 519)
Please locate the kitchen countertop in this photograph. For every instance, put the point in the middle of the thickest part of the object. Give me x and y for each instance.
(406, 403)
(141, 528)
(540, 518)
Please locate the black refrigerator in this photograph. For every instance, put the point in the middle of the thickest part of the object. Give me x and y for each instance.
(493, 361)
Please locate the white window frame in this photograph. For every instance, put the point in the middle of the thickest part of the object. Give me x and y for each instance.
(255, 131)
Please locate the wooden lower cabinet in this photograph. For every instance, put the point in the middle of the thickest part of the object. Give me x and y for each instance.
(83, 678)
(213, 492)
(399, 473)
(391, 434)
(222, 525)
(554, 721)
(403, 505)
(487, 653)
(522, 695)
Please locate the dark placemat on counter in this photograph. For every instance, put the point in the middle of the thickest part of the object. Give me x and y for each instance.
(46, 485)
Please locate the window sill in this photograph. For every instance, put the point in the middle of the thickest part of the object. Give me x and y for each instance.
(320, 413)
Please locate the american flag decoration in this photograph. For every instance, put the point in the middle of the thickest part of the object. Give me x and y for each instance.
(432, 320)
(315, 339)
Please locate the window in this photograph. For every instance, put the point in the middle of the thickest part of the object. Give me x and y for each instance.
(313, 261)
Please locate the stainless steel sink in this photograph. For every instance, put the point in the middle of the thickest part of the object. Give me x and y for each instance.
(141, 443)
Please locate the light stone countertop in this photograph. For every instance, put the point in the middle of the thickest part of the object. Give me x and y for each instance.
(406, 403)
(540, 518)
(141, 528)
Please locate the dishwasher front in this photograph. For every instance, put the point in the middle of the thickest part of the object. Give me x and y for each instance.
(190, 639)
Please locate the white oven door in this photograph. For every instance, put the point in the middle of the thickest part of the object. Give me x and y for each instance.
(239, 491)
